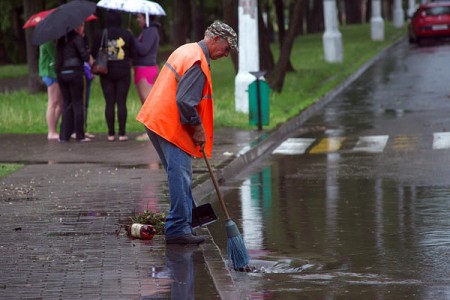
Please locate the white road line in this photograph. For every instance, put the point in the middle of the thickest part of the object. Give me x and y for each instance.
(441, 140)
(373, 144)
(293, 146)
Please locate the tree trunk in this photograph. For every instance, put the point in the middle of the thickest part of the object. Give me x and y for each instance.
(314, 16)
(31, 7)
(300, 30)
(230, 17)
(181, 22)
(368, 10)
(318, 19)
(353, 11)
(341, 11)
(198, 28)
(266, 61)
(276, 78)
(279, 12)
(387, 9)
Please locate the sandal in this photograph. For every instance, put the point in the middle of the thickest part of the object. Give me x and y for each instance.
(111, 138)
(84, 140)
(123, 138)
(142, 137)
(54, 136)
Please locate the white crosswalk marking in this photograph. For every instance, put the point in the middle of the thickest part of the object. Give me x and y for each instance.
(369, 144)
(294, 146)
(441, 140)
(373, 144)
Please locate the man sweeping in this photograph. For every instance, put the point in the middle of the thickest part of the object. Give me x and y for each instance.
(178, 116)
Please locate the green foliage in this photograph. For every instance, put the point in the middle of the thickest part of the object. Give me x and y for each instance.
(157, 220)
(6, 7)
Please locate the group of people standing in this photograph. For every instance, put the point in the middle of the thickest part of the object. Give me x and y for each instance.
(65, 69)
(177, 112)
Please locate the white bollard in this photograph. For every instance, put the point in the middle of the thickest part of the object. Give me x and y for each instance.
(248, 51)
(399, 14)
(411, 8)
(332, 38)
(376, 22)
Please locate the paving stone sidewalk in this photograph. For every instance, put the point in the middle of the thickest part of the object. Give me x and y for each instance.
(61, 214)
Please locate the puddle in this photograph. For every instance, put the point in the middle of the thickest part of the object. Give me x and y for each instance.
(286, 266)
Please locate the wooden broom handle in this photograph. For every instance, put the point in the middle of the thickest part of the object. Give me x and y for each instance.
(216, 186)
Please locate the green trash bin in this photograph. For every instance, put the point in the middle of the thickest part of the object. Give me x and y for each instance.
(258, 103)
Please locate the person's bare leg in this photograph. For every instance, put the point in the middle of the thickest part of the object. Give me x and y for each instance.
(54, 107)
(143, 88)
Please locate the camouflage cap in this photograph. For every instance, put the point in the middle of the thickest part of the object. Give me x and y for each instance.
(224, 31)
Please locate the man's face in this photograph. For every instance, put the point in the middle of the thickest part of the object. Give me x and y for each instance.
(220, 48)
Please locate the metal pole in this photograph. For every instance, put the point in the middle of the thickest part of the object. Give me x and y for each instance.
(258, 98)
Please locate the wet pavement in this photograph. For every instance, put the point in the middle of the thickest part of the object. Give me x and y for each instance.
(359, 207)
(61, 214)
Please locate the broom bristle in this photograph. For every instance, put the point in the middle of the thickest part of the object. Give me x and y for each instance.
(236, 249)
(237, 252)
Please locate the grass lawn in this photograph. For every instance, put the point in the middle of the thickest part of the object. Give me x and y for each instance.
(6, 169)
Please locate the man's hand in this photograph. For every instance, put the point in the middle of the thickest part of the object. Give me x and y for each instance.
(199, 136)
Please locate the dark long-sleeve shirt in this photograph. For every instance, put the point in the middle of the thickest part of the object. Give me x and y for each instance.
(71, 53)
(189, 91)
(147, 46)
(121, 47)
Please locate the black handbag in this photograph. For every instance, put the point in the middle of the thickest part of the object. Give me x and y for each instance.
(101, 61)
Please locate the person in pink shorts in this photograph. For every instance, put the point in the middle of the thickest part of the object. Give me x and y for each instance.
(144, 63)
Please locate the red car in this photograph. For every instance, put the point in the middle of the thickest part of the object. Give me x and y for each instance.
(431, 20)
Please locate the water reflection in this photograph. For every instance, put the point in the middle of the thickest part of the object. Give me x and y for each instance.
(307, 221)
(370, 224)
(180, 262)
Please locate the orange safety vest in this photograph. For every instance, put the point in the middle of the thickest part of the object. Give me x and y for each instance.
(160, 114)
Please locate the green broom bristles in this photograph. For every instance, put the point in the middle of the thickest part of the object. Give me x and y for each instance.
(236, 249)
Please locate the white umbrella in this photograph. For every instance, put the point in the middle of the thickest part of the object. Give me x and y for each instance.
(146, 7)
(112, 4)
(149, 8)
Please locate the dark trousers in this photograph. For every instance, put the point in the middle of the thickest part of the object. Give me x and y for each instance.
(71, 83)
(115, 86)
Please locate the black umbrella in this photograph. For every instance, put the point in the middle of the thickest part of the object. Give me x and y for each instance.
(65, 18)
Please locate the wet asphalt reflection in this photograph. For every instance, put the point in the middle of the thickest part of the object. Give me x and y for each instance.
(359, 209)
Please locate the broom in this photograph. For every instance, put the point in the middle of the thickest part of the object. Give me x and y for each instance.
(236, 249)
